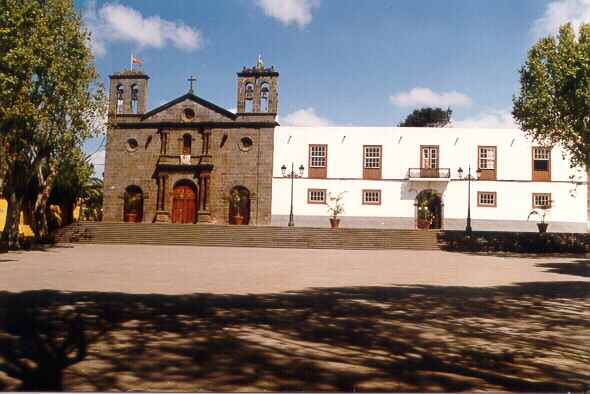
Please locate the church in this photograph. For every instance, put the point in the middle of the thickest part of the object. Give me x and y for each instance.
(189, 160)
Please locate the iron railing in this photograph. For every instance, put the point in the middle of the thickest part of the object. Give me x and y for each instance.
(429, 173)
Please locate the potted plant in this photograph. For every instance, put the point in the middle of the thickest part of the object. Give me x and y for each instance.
(235, 200)
(424, 216)
(542, 212)
(131, 208)
(335, 207)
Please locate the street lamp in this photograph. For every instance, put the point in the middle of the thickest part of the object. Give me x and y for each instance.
(469, 179)
(292, 175)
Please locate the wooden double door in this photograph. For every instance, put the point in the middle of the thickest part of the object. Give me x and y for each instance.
(184, 203)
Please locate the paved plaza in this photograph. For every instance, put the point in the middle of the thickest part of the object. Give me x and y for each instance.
(170, 318)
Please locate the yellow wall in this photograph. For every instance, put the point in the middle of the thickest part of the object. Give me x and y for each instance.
(24, 228)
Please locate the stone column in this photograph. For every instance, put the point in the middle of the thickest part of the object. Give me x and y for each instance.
(204, 216)
(162, 216)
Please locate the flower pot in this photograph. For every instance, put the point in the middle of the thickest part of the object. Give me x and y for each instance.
(542, 227)
(131, 217)
(238, 219)
(334, 222)
(423, 224)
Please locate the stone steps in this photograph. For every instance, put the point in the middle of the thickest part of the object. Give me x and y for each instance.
(247, 236)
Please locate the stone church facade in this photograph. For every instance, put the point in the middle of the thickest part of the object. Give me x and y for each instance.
(189, 160)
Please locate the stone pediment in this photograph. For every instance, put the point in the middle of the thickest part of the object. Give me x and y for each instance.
(179, 110)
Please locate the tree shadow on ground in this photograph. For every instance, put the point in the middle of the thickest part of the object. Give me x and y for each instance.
(579, 268)
(526, 337)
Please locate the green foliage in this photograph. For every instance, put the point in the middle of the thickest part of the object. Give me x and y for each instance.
(336, 205)
(51, 101)
(515, 242)
(428, 117)
(553, 105)
(91, 198)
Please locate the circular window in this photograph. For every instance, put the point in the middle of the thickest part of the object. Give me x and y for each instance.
(188, 113)
(246, 143)
(132, 144)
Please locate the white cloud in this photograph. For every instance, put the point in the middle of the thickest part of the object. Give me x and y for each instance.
(233, 109)
(490, 119)
(289, 11)
(421, 97)
(116, 22)
(559, 12)
(306, 117)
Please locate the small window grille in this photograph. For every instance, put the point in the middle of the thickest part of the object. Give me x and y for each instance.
(487, 158)
(372, 156)
(318, 156)
(487, 199)
(541, 200)
(372, 197)
(541, 158)
(316, 196)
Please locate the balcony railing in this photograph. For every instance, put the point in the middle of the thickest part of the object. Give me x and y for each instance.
(431, 173)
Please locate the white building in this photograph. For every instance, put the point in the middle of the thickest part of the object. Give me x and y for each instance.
(394, 176)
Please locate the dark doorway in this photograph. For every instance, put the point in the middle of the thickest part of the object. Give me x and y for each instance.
(133, 204)
(428, 210)
(184, 202)
(239, 205)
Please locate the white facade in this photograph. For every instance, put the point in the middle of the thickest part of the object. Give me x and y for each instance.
(401, 150)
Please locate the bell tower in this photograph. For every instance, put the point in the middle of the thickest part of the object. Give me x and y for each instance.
(128, 93)
(258, 89)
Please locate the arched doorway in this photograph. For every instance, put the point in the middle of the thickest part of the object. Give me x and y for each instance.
(239, 205)
(428, 210)
(184, 202)
(133, 204)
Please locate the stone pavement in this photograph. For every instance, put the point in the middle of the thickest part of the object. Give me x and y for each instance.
(144, 269)
(159, 318)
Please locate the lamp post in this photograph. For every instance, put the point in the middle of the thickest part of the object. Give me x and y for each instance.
(468, 228)
(292, 175)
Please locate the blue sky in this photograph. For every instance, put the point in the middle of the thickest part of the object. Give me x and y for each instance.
(342, 62)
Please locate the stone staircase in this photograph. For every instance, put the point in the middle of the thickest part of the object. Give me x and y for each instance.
(246, 236)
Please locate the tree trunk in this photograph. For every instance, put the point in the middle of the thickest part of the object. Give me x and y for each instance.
(40, 209)
(11, 228)
(588, 196)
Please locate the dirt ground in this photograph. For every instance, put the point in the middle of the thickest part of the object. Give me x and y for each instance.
(169, 318)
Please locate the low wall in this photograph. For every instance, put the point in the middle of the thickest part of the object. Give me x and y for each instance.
(519, 242)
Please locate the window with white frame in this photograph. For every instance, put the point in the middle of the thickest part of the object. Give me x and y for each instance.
(372, 197)
(372, 156)
(487, 157)
(316, 196)
(430, 157)
(541, 158)
(486, 199)
(541, 200)
(318, 155)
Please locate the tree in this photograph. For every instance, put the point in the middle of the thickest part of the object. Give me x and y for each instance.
(48, 69)
(428, 117)
(553, 105)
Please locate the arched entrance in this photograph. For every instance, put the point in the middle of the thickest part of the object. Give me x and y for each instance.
(239, 205)
(184, 202)
(133, 204)
(428, 210)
